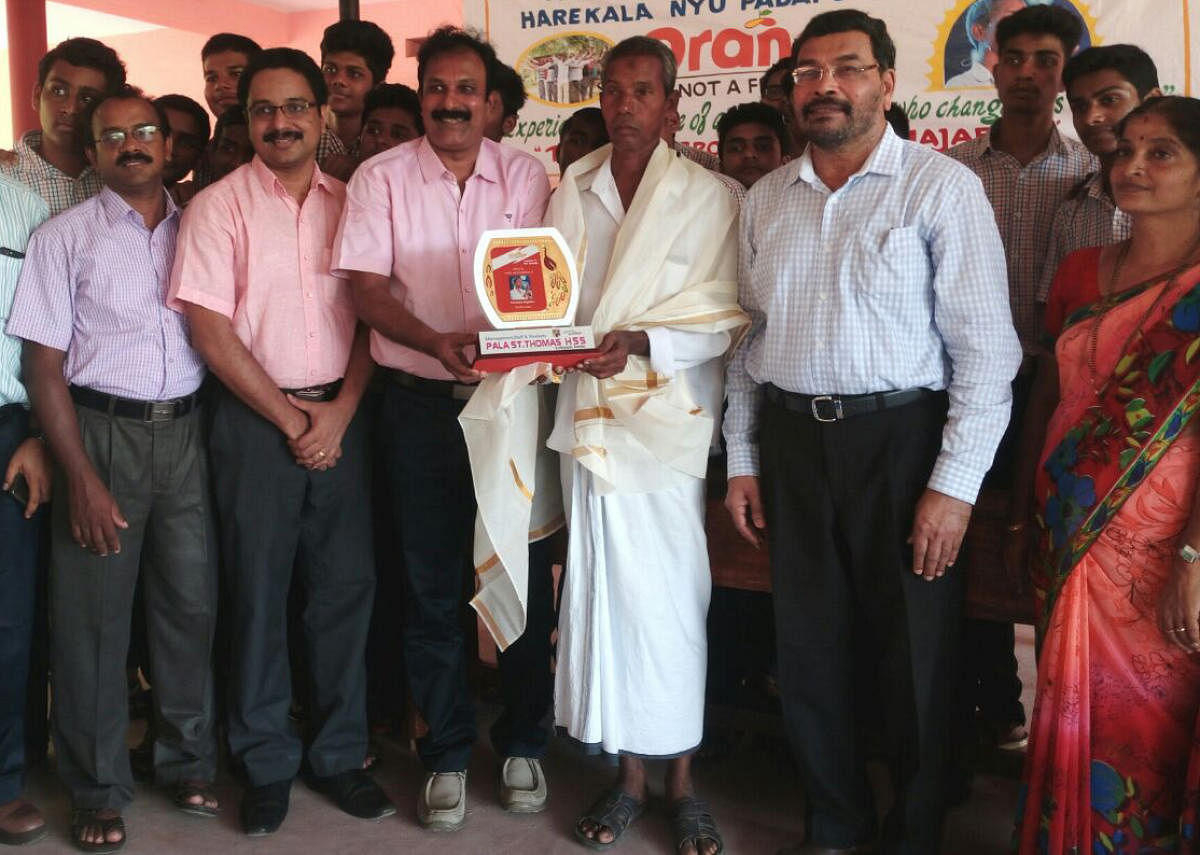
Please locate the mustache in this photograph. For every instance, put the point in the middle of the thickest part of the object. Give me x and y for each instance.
(442, 115)
(134, 157)
(844, 106)
(272, 136)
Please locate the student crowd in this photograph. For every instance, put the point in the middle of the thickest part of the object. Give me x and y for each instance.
(264, 373)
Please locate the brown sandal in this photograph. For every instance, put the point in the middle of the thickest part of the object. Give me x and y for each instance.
(83, 818)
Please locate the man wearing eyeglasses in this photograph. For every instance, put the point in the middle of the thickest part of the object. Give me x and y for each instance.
(288, 452)
(864, 407)
(1027, 168)
(113, 382)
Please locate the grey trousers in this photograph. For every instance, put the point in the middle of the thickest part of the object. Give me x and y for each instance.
(158, 475)
(278, 518)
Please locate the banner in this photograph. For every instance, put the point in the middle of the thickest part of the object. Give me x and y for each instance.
(943, 74)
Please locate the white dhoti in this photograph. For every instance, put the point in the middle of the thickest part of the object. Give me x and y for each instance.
(632, 644)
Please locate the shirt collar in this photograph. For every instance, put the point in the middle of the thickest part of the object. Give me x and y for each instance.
(29, 150)
(271, 184)
(487, 162)
(115, 208)
(887, 158)
(1054, 148)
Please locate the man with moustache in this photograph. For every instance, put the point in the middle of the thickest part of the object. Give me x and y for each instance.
(288, 454)
(114, 384)
(864, 408)
(50, 160)
(407, 244)
(1027, 168)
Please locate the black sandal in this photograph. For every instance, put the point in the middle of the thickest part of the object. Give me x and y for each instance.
(693, 823)
(615, 810)
(82, 818)
(184, 793)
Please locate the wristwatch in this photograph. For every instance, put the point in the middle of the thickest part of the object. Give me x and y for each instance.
(1188, 554)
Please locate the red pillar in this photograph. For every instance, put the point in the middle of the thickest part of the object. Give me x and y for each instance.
(26, 45)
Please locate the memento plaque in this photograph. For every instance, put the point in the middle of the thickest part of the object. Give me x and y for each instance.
(529, 289)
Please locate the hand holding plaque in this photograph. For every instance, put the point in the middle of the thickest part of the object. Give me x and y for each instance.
(529, 290)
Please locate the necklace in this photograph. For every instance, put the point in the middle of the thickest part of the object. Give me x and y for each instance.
(1110, 300)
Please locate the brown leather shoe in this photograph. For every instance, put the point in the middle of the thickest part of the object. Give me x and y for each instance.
(20, 823)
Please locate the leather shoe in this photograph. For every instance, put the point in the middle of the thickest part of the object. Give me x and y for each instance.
(264, 808)
(356, 793)
(20, 823)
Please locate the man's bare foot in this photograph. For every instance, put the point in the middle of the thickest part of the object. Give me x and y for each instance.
(631, 781)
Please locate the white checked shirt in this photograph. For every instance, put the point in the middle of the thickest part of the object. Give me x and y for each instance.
(59, 190)
(1087, 217)
(1024, 199)
(891, 282)
(21, 211)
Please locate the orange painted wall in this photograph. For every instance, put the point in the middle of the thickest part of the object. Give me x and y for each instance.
(168, 59)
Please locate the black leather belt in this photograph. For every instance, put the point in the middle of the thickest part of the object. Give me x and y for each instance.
(129, 408)
(322, 392)
(430, 388)
(833, 408)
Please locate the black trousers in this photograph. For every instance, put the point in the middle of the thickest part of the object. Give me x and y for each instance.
(278, 517)
(433, 498)
(854, 623)
(19, 542)
(158, 474)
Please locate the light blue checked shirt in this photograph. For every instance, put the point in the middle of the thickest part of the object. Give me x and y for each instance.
(21, 211)
(896, 280)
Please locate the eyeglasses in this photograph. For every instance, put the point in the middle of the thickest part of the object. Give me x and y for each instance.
(115, 137)
(266, 111)
(807, 75)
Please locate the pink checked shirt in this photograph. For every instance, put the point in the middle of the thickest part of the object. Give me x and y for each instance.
(406, 219)
(249, 252)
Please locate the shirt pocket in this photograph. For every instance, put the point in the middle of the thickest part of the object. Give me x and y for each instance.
(886, 266)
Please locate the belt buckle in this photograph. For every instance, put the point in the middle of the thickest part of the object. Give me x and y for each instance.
(310, 393)
(833, 400)
(160, 411)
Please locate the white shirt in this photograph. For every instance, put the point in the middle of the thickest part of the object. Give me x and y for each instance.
(895, 280)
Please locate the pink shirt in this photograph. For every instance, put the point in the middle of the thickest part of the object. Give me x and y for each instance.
(406, 219)
(249, 252)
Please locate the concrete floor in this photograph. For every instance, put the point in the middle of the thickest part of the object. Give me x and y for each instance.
(753, 792)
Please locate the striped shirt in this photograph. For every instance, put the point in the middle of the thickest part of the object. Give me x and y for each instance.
(1024, 199)
(1087, 217)
(893, 281)
(698, 155)
(59, 190)
(94, 285)
(21, 211)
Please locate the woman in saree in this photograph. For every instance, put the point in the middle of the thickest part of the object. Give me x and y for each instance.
(1113, 764)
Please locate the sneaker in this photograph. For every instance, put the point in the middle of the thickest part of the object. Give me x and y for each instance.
(442, 805)
(522, 785)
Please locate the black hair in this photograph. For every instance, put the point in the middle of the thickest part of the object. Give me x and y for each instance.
(282, 57)
(785, 64)
(85, 53)
(1129, 61)
(448, 39)
(1182, 114)
(585, 114)
(898, 119)
(364, 38)
(231, 118)
(511, 88)
(646, 46)
(394, 95)
(123, 93)
(184, 104)
(1042, 20)
(752, 112)
(850, 21)
(223, 42)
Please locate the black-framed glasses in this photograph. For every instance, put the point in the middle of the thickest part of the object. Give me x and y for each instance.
(115, 137)
(807, 75)
(294, 107)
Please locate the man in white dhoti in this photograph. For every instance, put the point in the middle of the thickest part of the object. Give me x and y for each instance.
(655, 237)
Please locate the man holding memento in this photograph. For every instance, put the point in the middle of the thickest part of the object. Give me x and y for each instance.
(633, 428)
(407, 244)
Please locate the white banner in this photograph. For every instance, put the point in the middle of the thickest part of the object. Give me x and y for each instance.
(724, 46)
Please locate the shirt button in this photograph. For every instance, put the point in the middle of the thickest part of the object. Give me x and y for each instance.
(308, 294)
(312, 335)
